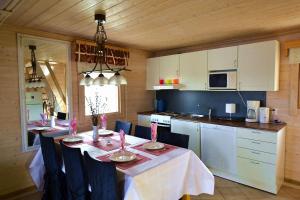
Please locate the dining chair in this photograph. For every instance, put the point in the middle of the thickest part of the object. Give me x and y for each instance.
(55, 181)
(102, 178)
(61, 115)
(77, 181)
(124, 125)
(175, 139)
(142, 132)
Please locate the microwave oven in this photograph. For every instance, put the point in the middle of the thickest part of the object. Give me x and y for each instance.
(222, 80)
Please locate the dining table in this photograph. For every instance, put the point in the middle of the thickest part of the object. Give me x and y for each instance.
(164, 174)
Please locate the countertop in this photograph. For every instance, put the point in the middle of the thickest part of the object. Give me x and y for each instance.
(274, 127)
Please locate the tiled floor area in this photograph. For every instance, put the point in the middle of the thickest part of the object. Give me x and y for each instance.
(228, 190)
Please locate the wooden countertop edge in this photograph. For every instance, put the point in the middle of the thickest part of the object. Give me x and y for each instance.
(266, 127)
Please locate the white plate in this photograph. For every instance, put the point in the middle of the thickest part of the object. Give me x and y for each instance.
(105, 132)
(153, 146)
(42, 128)
(125, 156)
(72, 139)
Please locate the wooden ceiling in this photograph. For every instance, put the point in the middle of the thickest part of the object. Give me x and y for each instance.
(45, 51)
(159, 24)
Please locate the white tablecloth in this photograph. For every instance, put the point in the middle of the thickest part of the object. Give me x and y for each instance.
(165, 177)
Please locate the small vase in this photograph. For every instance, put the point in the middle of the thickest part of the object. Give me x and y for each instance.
(95, 133)
(52, 121)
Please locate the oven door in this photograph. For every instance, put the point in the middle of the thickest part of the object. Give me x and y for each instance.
(163, 128)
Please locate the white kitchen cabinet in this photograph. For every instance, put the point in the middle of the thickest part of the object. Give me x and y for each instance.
(144, 120)
(258, 66)
(260, 158)
(193, 70)
(188, 128)
(222, 58)
(152, 72)
(169, 67)
(218, 149)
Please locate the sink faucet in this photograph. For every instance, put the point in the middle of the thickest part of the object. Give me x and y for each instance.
(209, 113)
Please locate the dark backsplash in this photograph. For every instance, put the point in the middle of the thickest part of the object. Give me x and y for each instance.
(187, 101)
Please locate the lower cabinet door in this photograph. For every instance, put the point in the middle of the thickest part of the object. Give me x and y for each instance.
(258, 174)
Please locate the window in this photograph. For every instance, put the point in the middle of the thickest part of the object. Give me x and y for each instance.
(108, 97)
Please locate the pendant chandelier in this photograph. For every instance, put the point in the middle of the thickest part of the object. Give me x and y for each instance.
(34, 80)
(101, 53)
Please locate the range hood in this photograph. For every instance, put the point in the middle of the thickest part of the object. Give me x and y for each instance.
(167, 87)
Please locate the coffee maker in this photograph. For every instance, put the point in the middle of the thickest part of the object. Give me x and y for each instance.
(252, 111)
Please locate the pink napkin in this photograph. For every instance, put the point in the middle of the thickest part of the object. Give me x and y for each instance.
(153, 132)
(103, 121)
(74, 126)
(122, 139)
(43, 118)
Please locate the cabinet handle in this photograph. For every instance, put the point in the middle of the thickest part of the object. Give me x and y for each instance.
(256, 163)
(235, 63)
(256, 132)
(254, 152)
(255, 142)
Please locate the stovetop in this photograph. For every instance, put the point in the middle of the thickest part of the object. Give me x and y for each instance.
(171, 114)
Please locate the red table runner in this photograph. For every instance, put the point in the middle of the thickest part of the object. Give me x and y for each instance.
(126, 165)
(51, 130)
(159, 152)
(101, 143)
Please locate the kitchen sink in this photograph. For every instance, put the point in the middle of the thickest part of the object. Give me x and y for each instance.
(196, 116)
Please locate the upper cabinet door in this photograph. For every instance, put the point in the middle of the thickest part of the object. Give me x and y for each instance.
(193, 70)
(222, 58)
(259, 66)
(169, 67)
(152, 72)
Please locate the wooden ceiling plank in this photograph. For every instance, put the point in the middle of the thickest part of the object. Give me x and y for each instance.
(22, 9)
(158, 5)
(88, 14)
(74, 14)
(87, 22)
(54, 11)
(35, 11)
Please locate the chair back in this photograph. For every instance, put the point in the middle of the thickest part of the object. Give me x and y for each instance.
(55, 182)
(49, 153)
(102, 178)
(61, 115)
(125, 126)
(75, 172)
(175, 139)
(142, 132)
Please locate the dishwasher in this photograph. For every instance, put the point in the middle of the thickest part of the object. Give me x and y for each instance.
(218, 148)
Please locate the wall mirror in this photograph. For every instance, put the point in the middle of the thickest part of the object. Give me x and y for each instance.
(45, 88)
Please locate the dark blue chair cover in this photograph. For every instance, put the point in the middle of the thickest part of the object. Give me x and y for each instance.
(126, 126)
(55, 182)
(76, 176)
(175, 139)
(102, 178)
(142, 132)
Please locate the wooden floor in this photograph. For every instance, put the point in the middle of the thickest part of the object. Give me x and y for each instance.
(227, 190)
